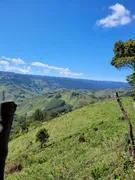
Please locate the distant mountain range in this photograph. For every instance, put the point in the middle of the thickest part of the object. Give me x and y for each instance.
(31, 92)
(40, 84)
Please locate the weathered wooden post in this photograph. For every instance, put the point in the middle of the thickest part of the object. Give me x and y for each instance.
(7, 110)
(130, 129)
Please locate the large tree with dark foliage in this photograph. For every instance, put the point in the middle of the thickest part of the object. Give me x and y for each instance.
(124, 57)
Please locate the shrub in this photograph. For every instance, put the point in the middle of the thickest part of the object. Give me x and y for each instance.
(58, 96)
(38, 115)
(53, 115)
(14, 168)
(25, 127)
(95, 129)
(42, 136)
(74, 94)
(64, 109)
(98, 172)
(82, 138)
(121, 117)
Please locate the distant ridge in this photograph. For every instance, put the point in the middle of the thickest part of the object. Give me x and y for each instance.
(51, 84)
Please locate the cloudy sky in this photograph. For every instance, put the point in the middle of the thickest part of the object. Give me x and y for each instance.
(70, 38)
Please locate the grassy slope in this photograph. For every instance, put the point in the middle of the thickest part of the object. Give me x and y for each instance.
(15, 93)
(31, 104)
(67, 158)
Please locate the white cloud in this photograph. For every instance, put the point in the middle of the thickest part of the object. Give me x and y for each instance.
(18, 61)
(133, 16)
(120, 16)
(14, 60)
(16, 65)
(18, 69)
(3, 57)
(39, 64)
(62, 71)
(4, 62)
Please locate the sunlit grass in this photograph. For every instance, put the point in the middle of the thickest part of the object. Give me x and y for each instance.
(64, 156)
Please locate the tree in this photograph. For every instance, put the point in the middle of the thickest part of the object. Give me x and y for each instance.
(124, 57)
(42, 136)
(38, 115)
(23, 123)
(20, 123)
(45, 116)
(24, 127)
(53, 114)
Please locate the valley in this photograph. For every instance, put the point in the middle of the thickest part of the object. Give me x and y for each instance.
(67, 90)
(86, 133)
(101, 155)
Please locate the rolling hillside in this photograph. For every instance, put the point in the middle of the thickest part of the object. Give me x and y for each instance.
(76, 99)
(29, 85)
(73, 98)
(89, 143)
(31, 92)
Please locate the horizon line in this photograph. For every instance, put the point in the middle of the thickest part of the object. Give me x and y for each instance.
(77, 78)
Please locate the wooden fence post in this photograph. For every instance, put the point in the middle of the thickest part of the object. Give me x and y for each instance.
(7, 110)
(130, 129)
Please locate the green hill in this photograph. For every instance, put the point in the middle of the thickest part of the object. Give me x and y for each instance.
(28, 85)
(76, 99)
(89, 143)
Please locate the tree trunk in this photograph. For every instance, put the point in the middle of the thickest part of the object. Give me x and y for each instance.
(130, 129)
(7, 110)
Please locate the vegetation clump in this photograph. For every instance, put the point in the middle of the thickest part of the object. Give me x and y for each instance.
(121, 117)
(58, 96)
(42, 136)
(124, 56)
(38, 115)
(82, 138)
(15, 168)
(98, 172)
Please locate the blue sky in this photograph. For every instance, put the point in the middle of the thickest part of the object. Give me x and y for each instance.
(69, 38)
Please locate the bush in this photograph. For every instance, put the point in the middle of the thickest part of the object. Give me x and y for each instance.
(121, 117)
(20, 124)
(53, 115)
(99, 172)
(38, 115)
(42, 136)
(58, 96)
(24, 127)
(64, 109)
(82, 138)
(74, 94)
(14, 168)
